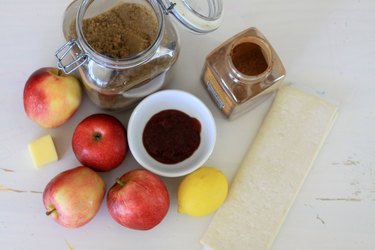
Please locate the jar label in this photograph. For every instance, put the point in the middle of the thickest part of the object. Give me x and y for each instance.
(215, 96)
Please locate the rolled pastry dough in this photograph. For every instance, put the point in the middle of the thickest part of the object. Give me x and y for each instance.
(272, 172)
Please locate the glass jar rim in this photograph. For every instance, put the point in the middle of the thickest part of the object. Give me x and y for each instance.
(268, 55)
(131, 61)
(201, 16)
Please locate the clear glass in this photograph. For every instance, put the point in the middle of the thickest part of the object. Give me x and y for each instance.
(234, 91)
(200, 16)
(117, 84)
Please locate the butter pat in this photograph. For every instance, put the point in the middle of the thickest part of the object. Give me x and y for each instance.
(43, 151)
(272, 172)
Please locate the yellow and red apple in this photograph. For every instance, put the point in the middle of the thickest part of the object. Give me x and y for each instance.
(51, 97)
(73, 197)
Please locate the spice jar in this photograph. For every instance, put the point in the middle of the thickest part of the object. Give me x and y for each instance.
(124, 50)
(242, 72)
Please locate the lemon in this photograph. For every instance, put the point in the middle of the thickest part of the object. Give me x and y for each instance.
(202, 192)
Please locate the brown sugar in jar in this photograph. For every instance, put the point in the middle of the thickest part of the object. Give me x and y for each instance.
(121, 32)
(129, 49)
(242, 72)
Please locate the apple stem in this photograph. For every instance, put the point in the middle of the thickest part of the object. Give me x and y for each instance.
(59, 72)
(48, 213)
(120, 182)
(97, 136)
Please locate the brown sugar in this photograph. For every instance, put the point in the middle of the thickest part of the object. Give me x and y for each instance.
(121, 32)
(120, 88)
(248, 59)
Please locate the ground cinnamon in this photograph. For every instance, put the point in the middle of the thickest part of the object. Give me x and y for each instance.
(125, 30)
(248, 59)
(242, 72)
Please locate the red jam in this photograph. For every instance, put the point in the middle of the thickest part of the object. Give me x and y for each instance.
(171, 136)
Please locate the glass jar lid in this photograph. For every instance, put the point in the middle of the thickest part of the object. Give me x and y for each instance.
(201, 16)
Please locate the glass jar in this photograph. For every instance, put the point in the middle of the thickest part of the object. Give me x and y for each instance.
(242, 72)
(124, 50)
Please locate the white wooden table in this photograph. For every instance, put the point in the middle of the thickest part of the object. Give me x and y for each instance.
(328, 46)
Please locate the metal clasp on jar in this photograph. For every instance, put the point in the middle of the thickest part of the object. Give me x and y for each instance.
(166, 9)
(80, 57)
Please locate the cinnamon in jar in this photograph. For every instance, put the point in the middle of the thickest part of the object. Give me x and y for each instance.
(242, 72)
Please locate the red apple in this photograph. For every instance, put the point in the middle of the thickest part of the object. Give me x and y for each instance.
(138, 200)
(50, 97)
(73, 197)
(100, 142)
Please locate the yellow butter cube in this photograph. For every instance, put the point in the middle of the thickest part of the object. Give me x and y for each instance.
(43, 151)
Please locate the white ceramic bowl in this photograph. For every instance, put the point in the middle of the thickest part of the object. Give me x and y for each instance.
(171, 99)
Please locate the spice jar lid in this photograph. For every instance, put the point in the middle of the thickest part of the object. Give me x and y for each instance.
(201, 16)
